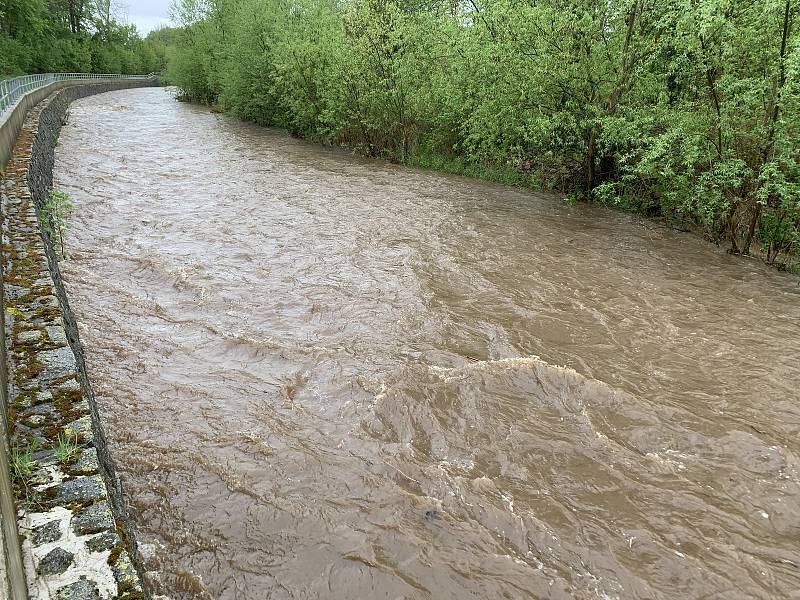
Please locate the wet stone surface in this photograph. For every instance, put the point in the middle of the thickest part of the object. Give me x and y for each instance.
(80, 429)
(87, 462)
(125, 573)
(57, 363)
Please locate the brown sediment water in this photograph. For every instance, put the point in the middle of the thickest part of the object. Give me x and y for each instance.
(329, 377)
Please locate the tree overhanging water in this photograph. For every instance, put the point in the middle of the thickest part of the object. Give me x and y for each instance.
(687, 111)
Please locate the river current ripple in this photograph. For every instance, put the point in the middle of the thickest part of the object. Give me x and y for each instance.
(329, 377)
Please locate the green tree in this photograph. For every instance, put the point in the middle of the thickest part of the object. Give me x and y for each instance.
(685, 110)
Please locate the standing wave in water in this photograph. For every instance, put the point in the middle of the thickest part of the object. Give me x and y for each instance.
(330, 377)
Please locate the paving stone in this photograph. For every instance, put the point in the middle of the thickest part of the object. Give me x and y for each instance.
(29, 337)
(45, 408)
(87, 463)
(94, 519)
(45, 458)
(47, 301)
(44, 534)
(80, 428)
(80, 489)
(57, 363)
(105, 541)
(56, 334)
(80, 590)
(70, 385)
(34, 420)
(46, 477)
(14, 292)
(45, 396)
(56, 561)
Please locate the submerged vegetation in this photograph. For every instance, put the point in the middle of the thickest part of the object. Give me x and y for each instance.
(687, 110)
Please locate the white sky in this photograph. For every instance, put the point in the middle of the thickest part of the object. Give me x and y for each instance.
(145, 14)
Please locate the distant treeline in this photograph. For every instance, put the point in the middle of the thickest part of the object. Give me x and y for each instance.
(687, 110)
(66, 36)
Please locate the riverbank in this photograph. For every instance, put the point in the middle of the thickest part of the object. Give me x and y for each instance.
(74, 532)
(527, 179)
(512, 177)
(330, 363)
(684, 115)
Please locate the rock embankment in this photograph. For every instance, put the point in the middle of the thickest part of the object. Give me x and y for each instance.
(76, 542)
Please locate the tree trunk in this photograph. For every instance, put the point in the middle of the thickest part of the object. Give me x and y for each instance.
(591, 175)
(768, 152)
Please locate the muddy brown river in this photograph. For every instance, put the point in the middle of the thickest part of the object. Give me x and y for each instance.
(325, 377)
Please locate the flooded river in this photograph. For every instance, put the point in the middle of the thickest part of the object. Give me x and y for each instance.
(325, 377)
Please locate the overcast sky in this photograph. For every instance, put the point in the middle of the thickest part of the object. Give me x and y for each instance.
(145, 14)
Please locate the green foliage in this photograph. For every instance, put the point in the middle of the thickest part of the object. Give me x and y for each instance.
(14, 57)
(53, 219)
(22, 464)
(39, 36)
(23, 469)
(685, 110)
(67, 448)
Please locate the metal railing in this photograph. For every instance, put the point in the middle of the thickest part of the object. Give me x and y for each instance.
(12, 89)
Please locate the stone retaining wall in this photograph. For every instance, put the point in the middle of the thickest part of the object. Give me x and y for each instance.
(76, 540)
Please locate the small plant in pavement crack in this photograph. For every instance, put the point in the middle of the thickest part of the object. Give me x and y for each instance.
(67, 447)
(22, 469)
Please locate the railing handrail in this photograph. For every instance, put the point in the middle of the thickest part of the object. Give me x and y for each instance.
(11, 90)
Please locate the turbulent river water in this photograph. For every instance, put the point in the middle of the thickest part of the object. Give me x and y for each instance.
(326, 377)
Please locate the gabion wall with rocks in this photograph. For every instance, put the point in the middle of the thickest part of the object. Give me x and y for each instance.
(77, 543)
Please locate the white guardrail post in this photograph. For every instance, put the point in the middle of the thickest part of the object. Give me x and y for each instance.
(12, 89)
